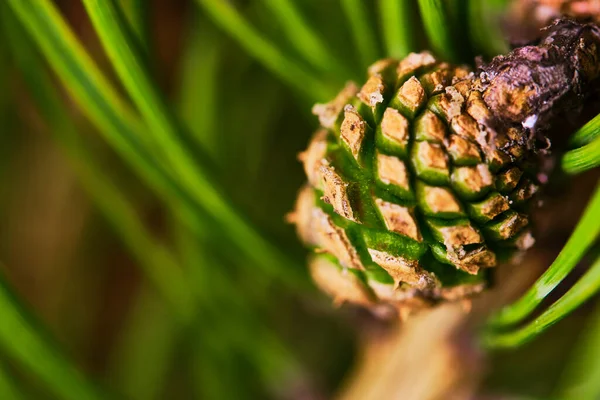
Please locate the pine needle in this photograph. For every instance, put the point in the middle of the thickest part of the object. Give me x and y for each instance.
(156, 262)
(587, 133)
(21, 340)
(8, 389)
(582, 159)
(441, 30)
(273, 58)
(587, 286)
(581, 377)
(362, 30)
(398, 27)
(484, 25)
(585, 234)
(305, 39)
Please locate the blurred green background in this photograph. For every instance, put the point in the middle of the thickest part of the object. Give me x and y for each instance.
(143, 242)
(251, 330)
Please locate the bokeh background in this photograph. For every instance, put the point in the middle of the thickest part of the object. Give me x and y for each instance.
(82, 235)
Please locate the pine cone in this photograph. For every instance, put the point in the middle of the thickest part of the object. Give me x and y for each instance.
(422, 180)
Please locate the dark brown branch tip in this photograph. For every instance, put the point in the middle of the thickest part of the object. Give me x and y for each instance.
(536, 84)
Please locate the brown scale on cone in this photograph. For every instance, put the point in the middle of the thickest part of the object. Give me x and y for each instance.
(417, 179)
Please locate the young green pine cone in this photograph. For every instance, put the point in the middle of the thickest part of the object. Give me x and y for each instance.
(423, 179)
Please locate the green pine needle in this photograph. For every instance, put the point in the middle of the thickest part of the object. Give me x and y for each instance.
(441, 30)
(100, 101)
(587, 286)
(582, 159)
(96, 97)
(398, 27)
(8, 389)
(485, 30)
(164, 129)
(138, 13)
(305, 39)
(194, 177)
(21, 340)
(586, 134)
(362, 31)
(159, 266)
(199, 93)
(581, 377)
(585, 234)
(272, 57)
(145, 351)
